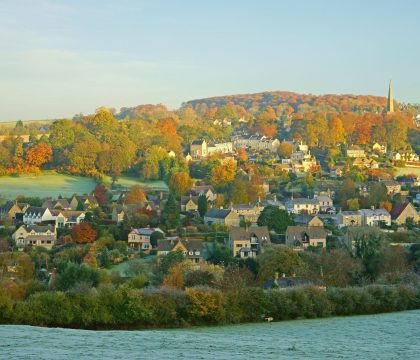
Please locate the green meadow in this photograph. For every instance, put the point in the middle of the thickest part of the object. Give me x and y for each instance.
(52, 184)
(49, 184)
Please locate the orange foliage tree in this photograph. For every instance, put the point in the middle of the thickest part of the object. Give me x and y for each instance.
(39, 154)
(135, 195)
(180, 182)
(83, 233)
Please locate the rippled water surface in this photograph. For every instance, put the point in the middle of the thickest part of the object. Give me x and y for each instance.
(385, 336)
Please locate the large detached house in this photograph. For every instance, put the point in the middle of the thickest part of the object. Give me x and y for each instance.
(139, 239)
(68, 218)
(35, 235)
(226, 217)
(61, 218)
(248, 242)
(191, 249)
(403, 211)
(303, 206)
(300, 237)
(189, 203)
(374, 217)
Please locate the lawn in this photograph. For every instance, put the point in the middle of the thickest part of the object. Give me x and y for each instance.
(126, 182)
(407, 170)
(48, 184)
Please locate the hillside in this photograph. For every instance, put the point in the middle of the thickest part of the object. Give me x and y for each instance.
(298, 102)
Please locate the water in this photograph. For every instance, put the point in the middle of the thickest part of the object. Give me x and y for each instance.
(385, 336)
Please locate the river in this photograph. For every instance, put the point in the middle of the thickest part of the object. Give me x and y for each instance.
(384, 336)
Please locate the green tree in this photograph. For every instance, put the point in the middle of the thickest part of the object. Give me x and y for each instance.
(368, 247)
(279, 259)
(202, 205)
(170, 213)
(276, 219)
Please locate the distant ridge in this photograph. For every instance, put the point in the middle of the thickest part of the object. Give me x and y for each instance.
(299, 102)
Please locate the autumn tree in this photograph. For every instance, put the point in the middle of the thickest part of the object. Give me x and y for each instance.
(180, 182)
(135, 195)
(242, 155)
(336, 133)
(223, 174)
(83, 233)
(100, 194)
(39, 154)
(285, 150)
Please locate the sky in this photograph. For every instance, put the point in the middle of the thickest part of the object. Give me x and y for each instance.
(60, 58)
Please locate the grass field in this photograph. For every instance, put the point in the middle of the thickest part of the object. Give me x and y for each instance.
(46, 185)
(407, 170)
(51, 184)
(127, 182)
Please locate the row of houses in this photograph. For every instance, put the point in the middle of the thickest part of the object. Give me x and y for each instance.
(374, 217)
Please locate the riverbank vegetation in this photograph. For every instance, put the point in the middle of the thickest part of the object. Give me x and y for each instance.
(135, 308)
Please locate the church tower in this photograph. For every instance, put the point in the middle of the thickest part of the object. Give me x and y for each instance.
(390, 105)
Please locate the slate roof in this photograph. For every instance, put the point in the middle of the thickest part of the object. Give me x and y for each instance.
(217, 213)
(146, 231)
(314, 232)
(240, 233)
(398, 209)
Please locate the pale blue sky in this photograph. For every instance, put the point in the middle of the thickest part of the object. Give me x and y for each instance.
(59, 58)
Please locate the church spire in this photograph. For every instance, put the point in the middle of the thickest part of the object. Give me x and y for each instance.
(390, 105)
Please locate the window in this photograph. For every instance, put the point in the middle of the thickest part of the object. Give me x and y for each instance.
(191, 253)
(197, 253)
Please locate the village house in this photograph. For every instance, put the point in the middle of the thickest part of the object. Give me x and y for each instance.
(355, 152)
(206, 190)
(86, 201)
(374, 217)
(248, 242)
(9, 210)
(59, 204)
(392, 187)
(223, 147)
(139, 239)
(309, 220)
(349, 218)
(191, 249)
(67, 218)
(325, 204)
(403, 211)
(404, 155)
(303, 206)
(198, 149)
(36, 215)
(35, 235)
(189, 203)
(365, 163)
(255, 142)
(227, 217)
(301, 237)
(249, 212)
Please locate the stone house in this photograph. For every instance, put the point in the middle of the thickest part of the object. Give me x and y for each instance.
(87, 201)
(9, 210)
(35, 235)
(248, 242)
(355, 152)
(227, 217)
(374, 217)
(392, 187)
(198, 149)
(303, 206)
(139, 239)
(249, 212)
(191, 249)
(189, 203)
(301, 237)
(349, 218)
(402, 211)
